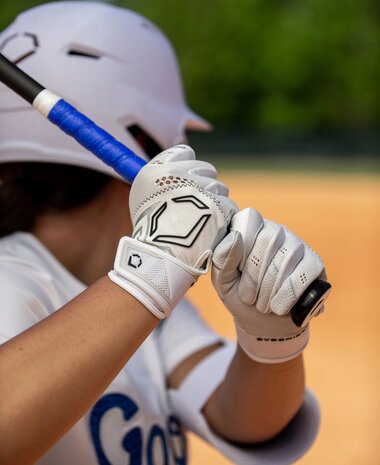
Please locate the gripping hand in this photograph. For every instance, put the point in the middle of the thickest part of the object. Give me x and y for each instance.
(259, 271)
(180, 212)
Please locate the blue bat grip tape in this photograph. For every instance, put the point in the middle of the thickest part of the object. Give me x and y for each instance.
(96, 140)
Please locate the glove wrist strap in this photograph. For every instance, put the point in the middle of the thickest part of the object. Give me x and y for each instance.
(155, 278)
(272, 350)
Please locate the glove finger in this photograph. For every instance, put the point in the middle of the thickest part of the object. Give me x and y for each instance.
(217, 188)
(194, 169)
(184, 157)
(174, 171)
(248, 222)
(176, 153)
(211, 185)
(268, 241)
(202, 168)
(308, 270)
(225, 260)
(283, 264)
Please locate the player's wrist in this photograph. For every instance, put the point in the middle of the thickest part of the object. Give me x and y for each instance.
(155, 278)
(272, 349)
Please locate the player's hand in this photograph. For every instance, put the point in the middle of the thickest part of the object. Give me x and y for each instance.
(179, 212)
(260, 270)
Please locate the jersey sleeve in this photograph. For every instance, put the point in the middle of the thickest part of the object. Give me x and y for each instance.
(183, 334)
(189, 400)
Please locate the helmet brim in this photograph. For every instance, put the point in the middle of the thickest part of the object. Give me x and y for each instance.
(195, 122)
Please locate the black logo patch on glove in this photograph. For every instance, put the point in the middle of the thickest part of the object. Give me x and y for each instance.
(185, 240)
(134, 260)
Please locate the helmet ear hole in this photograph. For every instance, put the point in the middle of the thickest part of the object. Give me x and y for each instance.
(145, 141)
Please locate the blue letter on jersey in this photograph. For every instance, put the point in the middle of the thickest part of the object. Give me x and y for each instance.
(160, 440)
(129, 408)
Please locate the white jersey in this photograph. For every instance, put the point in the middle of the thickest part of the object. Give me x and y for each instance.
(137, 420)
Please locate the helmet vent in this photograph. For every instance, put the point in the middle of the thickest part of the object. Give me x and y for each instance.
(145, 141)
(80, 53)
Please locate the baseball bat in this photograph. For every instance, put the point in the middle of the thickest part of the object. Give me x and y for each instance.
(115, 154)
(71, 121)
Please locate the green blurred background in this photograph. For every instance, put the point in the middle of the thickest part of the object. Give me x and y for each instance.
(294, 80)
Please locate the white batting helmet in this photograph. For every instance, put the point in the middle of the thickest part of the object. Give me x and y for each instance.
(112, 64)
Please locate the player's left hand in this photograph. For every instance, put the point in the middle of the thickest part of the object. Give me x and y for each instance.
(179, 211)
(260, 270)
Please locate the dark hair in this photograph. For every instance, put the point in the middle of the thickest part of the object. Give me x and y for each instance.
(28, 189)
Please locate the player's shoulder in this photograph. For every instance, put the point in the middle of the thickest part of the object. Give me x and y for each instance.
(27, 288)
(17, 263)
(27, 274)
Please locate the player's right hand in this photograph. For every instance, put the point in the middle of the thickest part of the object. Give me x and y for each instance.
(180, 212)
(260, 270)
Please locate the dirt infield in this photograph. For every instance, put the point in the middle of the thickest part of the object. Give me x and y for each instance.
(339, 216)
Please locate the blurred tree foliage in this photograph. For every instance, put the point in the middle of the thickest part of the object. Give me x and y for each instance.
(271, 64)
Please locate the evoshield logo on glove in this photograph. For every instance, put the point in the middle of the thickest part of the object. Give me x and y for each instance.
(188, 238)
(134, 260)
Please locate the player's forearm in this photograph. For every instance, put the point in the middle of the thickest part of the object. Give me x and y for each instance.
(256, 400)
(52, 373)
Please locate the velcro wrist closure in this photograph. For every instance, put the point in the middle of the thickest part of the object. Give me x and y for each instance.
(155, 278)
(272, 350)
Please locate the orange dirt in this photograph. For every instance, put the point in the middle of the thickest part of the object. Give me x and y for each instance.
(339, 216)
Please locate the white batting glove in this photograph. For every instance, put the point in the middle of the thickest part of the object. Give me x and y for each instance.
(260, 270)
(180, 212)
